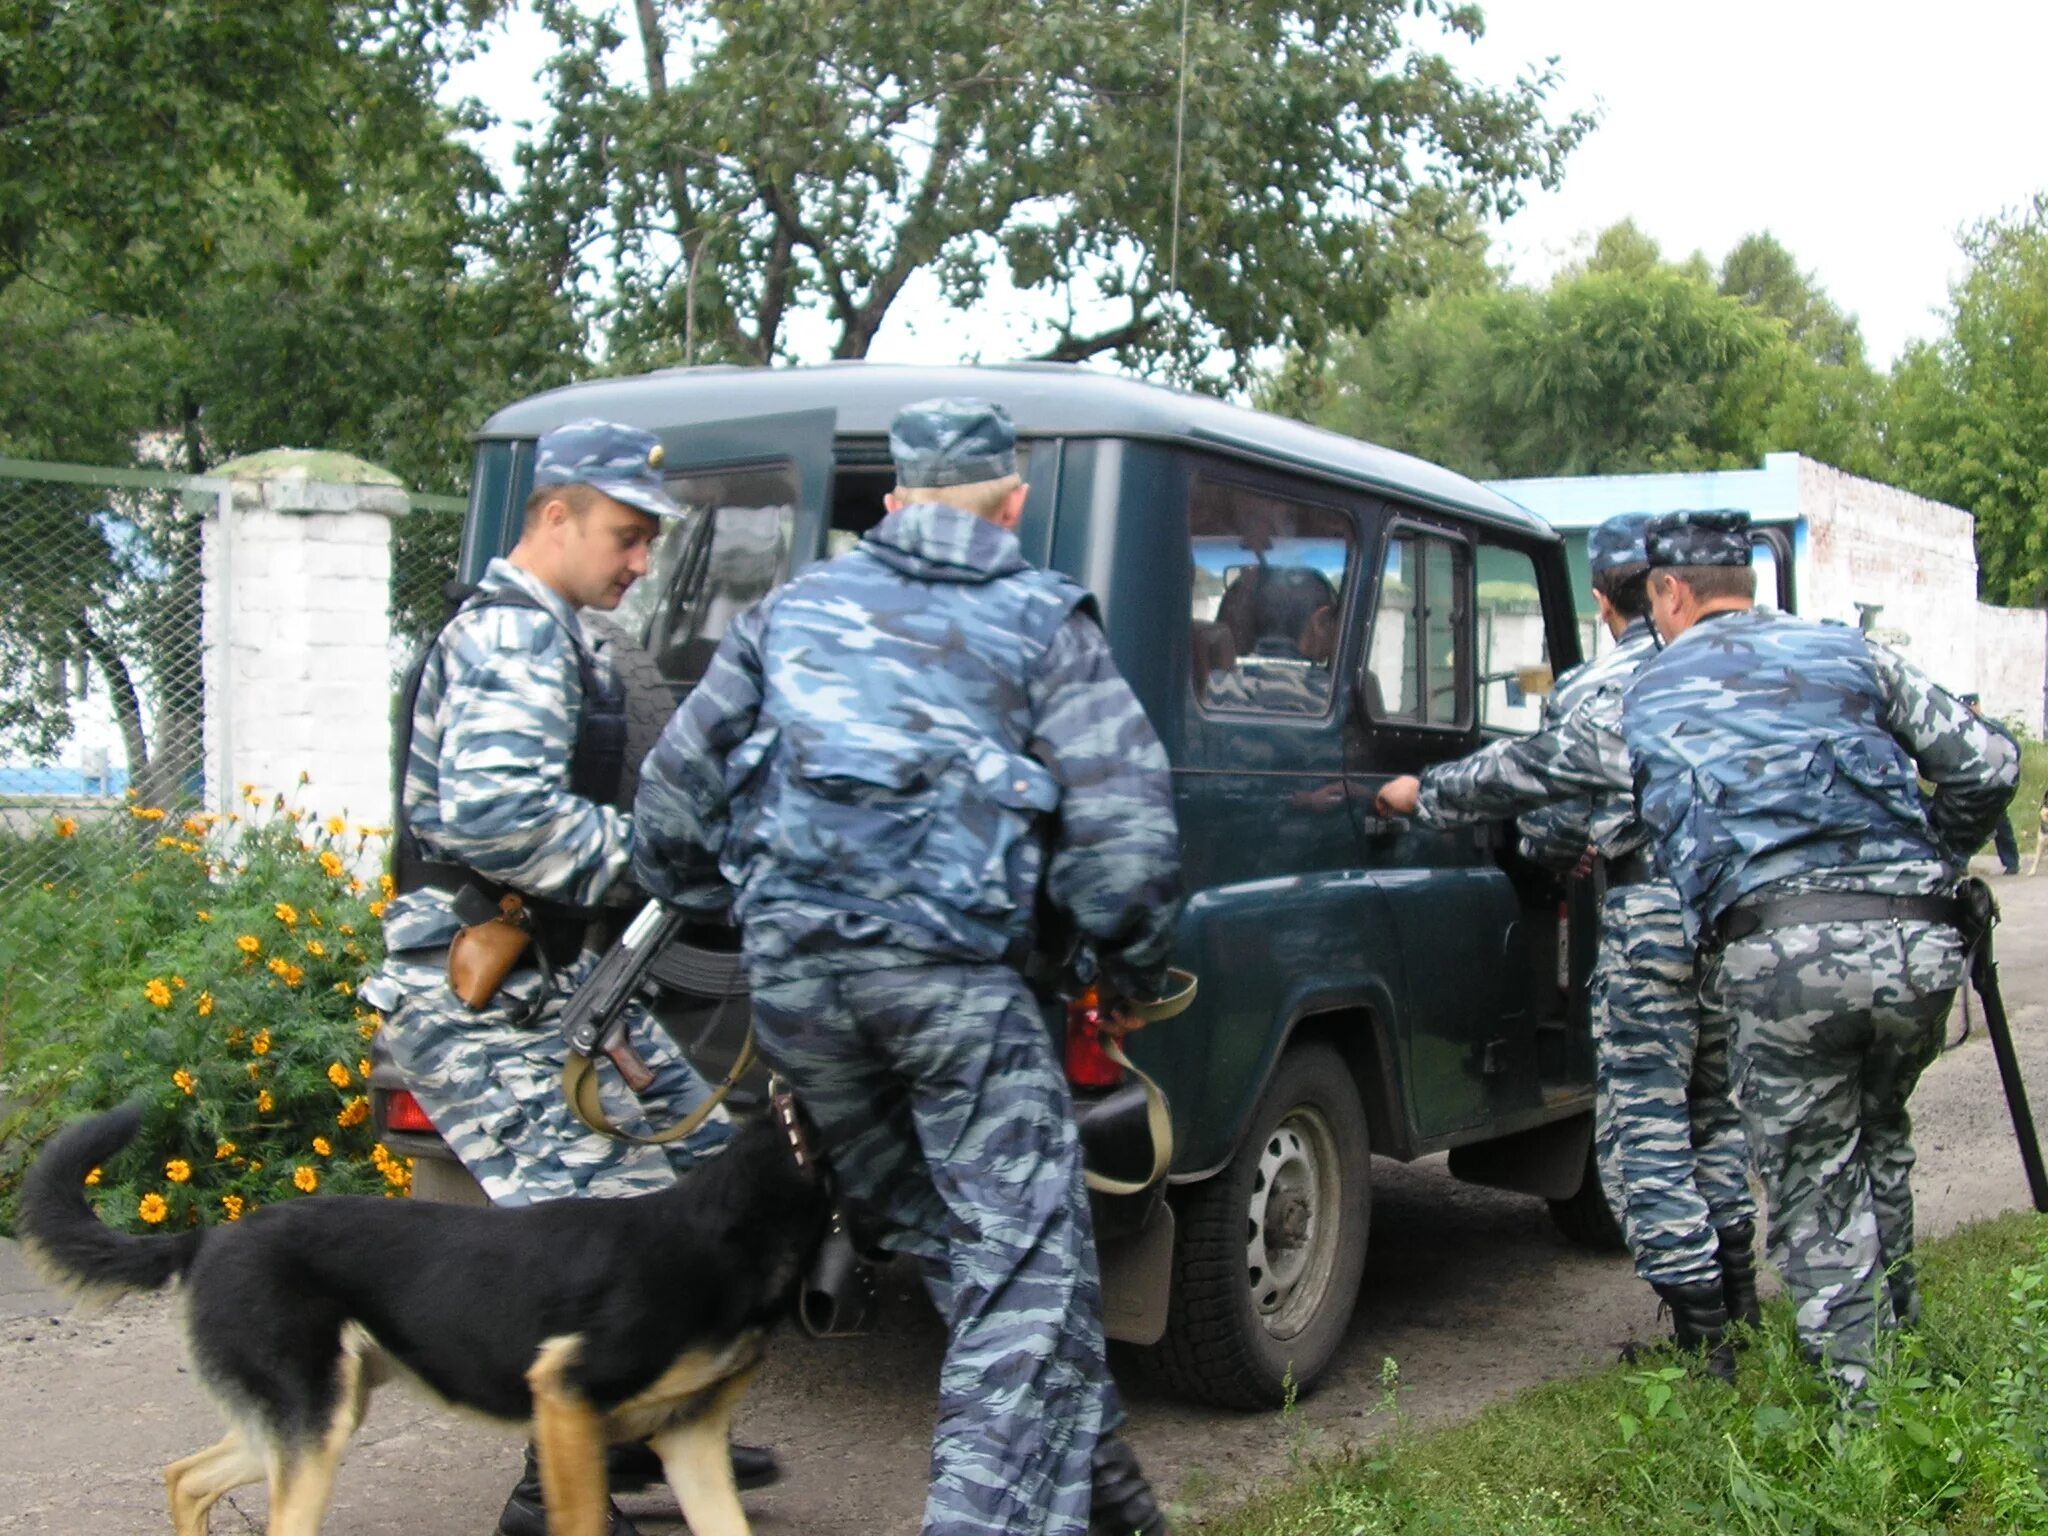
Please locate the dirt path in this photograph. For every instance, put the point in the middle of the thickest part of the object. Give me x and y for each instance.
(1471, 1292)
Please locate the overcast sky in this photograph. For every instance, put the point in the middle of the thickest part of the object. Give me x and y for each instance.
(1863, 135)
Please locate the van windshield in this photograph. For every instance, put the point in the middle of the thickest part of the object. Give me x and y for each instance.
(729, 550)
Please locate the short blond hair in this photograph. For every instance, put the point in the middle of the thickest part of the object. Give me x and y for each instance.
(1710, 583)
(984, 498)
(579, 499)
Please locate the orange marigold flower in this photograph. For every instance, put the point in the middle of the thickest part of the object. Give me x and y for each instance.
(345, 931)
(169, 842)
(336, 826)
(66, 827)
(344, 989)
(232, 1204)
(397, 1174)
(204, 916)
(292, 975)
(337, 1074)
(177, 1170)
(261, 1044)
(368, 1029)
(316, 949)
(184, 1081)
(254, 1068)
(146, 813)
(355, 886)
(323, 1146)
(205, 1005)
(363, 1068)
(376, 909)
(388, 886)
(330, 864)
(265, 1103)
(223, 1151)
(194, 826)
(93, 1177)
(151, 1208)
(305, 1179)
(157, 992)
(286, 913)
(249, 944)
(353, 1113)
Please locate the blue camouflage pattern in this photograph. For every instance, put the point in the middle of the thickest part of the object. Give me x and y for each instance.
(1619, 543)
(623, 462)
(487, 786)
(942, 1109)
(1776, 757)
(1766, 748)
(938, 444)
(892, 755)
(1698, 538)
(1668, 1141)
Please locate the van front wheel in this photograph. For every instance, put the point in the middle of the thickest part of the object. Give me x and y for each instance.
(1271, 1249)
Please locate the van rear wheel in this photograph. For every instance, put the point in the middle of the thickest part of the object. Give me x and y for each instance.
(1271, 1249)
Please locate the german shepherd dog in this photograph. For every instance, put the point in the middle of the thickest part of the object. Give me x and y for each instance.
(590, 1322)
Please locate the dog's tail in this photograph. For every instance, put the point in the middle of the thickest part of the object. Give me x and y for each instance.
(62, 1234)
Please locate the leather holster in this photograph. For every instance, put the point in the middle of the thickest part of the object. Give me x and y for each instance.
(483, 954)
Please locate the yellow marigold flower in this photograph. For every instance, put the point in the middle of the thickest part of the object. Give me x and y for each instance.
(286, 913)
(323, 1146)
(235, 1035)
(388, 886)
(184, 1081)
(169, 842)
(157, 992)
(397, 1174)
(336, 826)
(355, 886)
(353, 1113)
(292, 975)
(277, 965)
(367, 1030)
(345, 931)
(223, 1150)
(305, 1179)
(93, 1177)
(254, 1068)
(337, 1074)
(205, 1005)
(261, 1044)
(316, 949)
(232, 1204)
(265, 1103)
(194, 826)
(255, 1163)
(249, 788)
(376, 909)
(151, 1208)
(363, 1068)
(314, 918)
(146, 813)
(330, 864)
(205, 916)
(249, 944)
(344, 989)
(177, 1170)
(380, 1154)
(66, 827)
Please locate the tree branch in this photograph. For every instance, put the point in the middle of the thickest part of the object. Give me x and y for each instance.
(1074, 349)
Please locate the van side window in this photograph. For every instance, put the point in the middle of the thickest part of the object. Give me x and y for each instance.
(1513, 649)
(1416, 664)
(1269, 578)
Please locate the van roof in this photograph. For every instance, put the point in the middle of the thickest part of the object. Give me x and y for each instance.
(1043, 399)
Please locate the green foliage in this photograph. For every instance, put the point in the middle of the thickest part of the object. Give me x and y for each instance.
(218, 964)
(1629, 362)
(1969, 413)
(789, 155)
(1956, 1444)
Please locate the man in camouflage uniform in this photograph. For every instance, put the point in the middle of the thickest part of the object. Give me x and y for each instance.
(508, 740)
(1668, 1139)
(1777, 764)
(888, 762)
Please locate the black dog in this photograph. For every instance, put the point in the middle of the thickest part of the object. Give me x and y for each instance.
(591, 1321)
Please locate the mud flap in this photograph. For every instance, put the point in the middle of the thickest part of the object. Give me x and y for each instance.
(1137, 1272)
(1548, 1160)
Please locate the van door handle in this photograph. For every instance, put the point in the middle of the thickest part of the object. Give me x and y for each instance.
(1383, 826)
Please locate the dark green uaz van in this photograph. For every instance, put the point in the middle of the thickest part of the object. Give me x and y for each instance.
(1304, 616)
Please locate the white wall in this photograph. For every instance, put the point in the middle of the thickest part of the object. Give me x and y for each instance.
(2012, 663)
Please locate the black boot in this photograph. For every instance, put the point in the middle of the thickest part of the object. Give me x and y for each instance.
(1738, 1275)
(633, 1466)
(526, 1512)
(1121, 1503)
(1699, 1325)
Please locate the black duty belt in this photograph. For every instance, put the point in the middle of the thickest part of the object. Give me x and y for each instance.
(1834, 907)
(1630, 869)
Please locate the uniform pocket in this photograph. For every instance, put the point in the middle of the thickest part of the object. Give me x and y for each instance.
(863, 809)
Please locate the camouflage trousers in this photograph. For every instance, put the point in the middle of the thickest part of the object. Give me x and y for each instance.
(1834, 1023)
(491, 1081)
(941, 1104)
(1667, 1136)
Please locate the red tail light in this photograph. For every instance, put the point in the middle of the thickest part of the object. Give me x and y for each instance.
(1088, 1065)
(402, 1112)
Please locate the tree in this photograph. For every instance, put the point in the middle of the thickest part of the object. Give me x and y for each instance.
(1968, 414)
(787, 156)
(1624, 362)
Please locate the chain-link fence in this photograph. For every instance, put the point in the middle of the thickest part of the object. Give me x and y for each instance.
(104, 697)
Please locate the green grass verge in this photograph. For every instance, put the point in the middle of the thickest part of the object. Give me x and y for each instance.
(1958, 1446)
(2026, 803)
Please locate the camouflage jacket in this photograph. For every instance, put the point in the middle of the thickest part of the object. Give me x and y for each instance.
(487, 780)
(889, 756)
(1574, 758)
(1770, 750)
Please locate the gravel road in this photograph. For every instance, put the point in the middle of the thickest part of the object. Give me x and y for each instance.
(1471, 1292)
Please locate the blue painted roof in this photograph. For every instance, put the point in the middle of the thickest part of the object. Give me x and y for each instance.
(1768, 495)
(1044, 399)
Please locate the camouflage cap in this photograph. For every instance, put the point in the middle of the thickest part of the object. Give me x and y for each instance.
(939, 443)
(1698, 538)
(1618, 542)
(622, 462)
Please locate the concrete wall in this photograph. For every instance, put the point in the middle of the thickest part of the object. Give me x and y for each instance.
(2012, 665)
(297, 634)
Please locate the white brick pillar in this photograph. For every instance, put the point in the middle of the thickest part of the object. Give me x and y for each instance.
(297, 633)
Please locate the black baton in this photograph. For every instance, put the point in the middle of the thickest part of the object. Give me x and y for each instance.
(1984, 977)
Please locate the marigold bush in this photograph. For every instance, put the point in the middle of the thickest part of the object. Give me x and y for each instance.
(220, 959)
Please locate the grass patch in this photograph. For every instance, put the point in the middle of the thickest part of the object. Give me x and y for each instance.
(1958, 1447)
(2026, 801)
